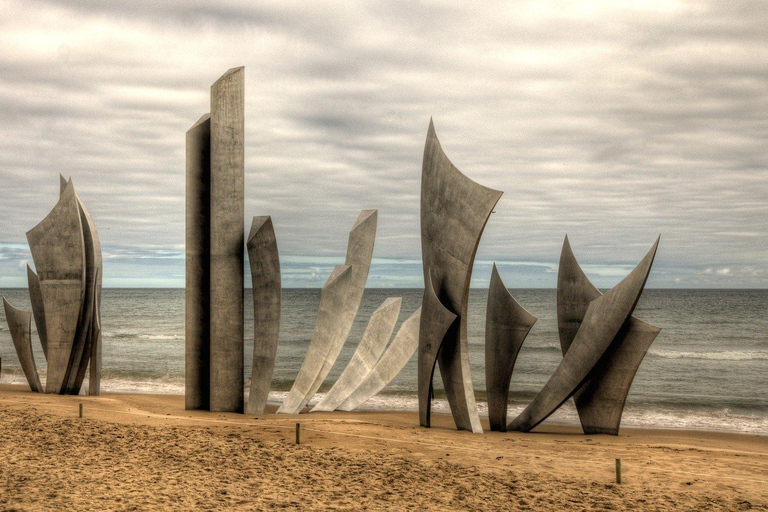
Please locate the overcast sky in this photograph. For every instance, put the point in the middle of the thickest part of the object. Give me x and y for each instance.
(612, 122)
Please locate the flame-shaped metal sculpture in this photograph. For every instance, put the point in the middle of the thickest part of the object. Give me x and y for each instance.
(372, 344)
(507, 324)
(602, 322)
(600, 400)
(454, 211)
(266, 287)
(66, 293)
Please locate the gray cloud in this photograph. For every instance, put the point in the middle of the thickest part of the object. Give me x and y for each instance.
(610, 123)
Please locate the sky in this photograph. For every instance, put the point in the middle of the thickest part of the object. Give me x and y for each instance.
(612, 122)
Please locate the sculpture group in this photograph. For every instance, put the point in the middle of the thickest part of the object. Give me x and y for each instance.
(214, 347)
(602, 342)
(65, 294)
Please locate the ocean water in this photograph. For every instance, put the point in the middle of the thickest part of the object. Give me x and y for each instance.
(707, 370)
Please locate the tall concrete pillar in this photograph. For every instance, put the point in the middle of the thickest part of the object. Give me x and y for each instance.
(227, 241)
(197, 349)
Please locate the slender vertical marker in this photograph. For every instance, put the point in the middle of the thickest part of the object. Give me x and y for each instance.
(81, 409)
(618, 471)
(298, 433)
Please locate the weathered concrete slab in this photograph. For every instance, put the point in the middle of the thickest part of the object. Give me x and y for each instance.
(327, 328)
(604, 318)
(389, 365)
(432, 331)
(266, 285)
(197, 294)
(454, 211)
(58, 250)
(20, 327)
(372, 344)
(227, 242)
(507, 324)
(600, 400)
(38, 310)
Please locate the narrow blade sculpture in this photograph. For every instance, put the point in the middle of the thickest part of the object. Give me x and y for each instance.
(359, 255)
(20, 326)
(94, 377)
(38, 310)
(507, 324)
(600, 400)
(372, 344)
(432, 331)
(604, 318)
(454, 211)
(266, 287)
(389, 366)
(327, 328)
(84, 338)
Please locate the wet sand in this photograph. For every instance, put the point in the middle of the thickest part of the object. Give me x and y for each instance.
(139, 452)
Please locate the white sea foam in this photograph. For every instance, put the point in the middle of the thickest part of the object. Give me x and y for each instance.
(725, 355)
(634, 415)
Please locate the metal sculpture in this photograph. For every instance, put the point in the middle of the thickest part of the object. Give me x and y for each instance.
(359, 254)
(265, 279)
(38, 310)
(327, 328)
(389, 365)
(227, 241)
(214, 349)
(66, 293)
(372, 344)
(58, 250)
(432, 331)
(507, 324)
(600, 400)
(454, 211)
(88, 341)
(197, 325)
(602, 321)
(20, 327)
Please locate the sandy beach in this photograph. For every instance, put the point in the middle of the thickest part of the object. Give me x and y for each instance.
(138, 452)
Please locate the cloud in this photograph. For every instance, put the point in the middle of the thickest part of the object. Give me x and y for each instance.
(610, 122)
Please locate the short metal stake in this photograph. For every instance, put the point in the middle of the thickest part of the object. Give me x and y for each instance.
(618, 471)
(81, 409)
(298, 433)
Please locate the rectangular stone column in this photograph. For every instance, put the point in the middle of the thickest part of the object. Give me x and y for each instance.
(227, 242)
(197, 350)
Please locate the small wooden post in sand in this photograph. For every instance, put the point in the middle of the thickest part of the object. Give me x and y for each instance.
(298, 433)
(618, 471)
(81, 409)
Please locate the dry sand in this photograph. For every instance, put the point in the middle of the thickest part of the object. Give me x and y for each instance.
(140, 452)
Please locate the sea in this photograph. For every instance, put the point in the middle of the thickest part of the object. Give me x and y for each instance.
(707, 369)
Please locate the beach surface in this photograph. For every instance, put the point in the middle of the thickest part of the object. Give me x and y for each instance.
(139, 452)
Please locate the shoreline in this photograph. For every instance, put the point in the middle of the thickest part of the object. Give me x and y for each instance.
(159, 447)
(407, 402)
